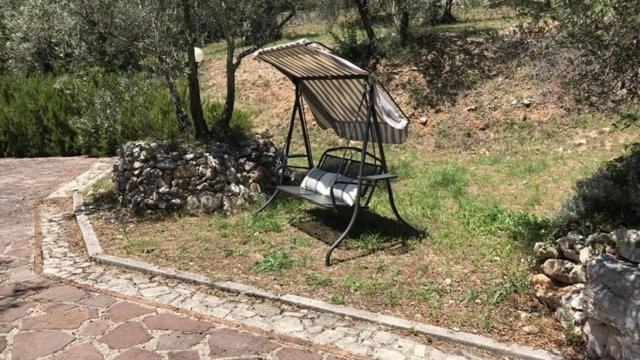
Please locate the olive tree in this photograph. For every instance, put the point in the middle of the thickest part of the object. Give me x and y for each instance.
(247, 25)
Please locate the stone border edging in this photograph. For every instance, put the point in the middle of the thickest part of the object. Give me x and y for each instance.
(95, 253)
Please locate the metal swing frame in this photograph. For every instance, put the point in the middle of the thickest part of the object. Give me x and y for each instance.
(366, 183)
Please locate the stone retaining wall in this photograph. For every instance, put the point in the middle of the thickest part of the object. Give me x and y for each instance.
(593, 285)
(151, 175)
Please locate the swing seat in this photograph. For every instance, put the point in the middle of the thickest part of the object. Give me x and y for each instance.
(334, 182)
(350, 101)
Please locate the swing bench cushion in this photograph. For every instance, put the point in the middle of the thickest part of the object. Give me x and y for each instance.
(320, 182)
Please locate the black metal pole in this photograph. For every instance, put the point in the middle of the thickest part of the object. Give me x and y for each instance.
(383, 164)
(287, 146)
(305, 133)
(363, 157)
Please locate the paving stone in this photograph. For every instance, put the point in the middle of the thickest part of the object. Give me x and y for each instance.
(297, 354)
(101, 301)
(48, 342)
(15, 312)
(59, 320)
(79, 352)
(55, 307)
(175, 322)
(387, 354)
(178, 341)
(124, 311)
(126, 336)
(229, 342)
(61, 293)
(96, 327)
(288, 324)
(3, 343)
(138, 354)
(333, 357)
(184, 355)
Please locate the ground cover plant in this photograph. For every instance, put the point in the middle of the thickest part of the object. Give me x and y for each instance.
(490, 163)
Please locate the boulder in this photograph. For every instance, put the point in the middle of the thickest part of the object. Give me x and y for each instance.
(628, 244)
(559, 270)
(545, 250)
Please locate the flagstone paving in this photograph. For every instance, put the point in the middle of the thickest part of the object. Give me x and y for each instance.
(84, 310)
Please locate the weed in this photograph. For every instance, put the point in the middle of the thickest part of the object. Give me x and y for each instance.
(427, 291)
(338, 299)
(318, 280)
(356, 284)
(261, 223)
(274, 261)
(142, 246)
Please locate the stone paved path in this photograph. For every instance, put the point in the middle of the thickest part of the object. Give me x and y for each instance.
(47, 319)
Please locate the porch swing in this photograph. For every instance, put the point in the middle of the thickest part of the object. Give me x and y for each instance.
(349, 100)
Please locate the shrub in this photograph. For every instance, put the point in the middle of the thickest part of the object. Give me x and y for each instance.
(34, 117)
(92, 112)
(116, 108)
(609, 198)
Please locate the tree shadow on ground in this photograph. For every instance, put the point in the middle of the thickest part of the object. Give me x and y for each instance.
(451, 62)
(12, 296)
(371, 232)
(607, 199)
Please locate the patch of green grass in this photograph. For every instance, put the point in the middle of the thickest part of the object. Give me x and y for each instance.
(371, 241)
(264, 222)
(338, 299)
(142, 246)
(318, 280)
(274, 261)
(367, 286)
(427, 291)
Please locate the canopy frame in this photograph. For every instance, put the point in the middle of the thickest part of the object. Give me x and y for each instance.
(372, 126)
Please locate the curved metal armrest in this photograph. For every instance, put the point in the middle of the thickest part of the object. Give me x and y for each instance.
(379, 177)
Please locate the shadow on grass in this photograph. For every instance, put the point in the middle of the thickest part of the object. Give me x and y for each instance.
(607, 199)
(371, 232)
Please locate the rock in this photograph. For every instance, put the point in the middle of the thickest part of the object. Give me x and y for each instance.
(628, 244)
(586, 254)
(423, 120)
(167, 164)
(570, 245)
(547, 292)
(472, 108)
(558, 270)
(527, 103)
(545, 250)
(578, 274)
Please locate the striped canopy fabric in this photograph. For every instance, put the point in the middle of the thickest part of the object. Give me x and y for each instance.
(335, 91)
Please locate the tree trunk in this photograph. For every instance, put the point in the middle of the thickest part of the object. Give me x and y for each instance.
(195, 102)
(223, 124)
(365, 17)
(447, 15)
(404, 27)
(181, 115)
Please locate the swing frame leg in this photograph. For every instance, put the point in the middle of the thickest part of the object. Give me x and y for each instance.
(269, 201)
(327, 256)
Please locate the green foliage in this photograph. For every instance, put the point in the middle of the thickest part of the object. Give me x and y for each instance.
(92, 112)
(351, 43)
(609, 198)
(240, 122)
(318, 280)
(142, 246)
(115, 109)
(274, 261)
(34, 117)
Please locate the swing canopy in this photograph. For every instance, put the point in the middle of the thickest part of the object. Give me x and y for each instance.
(334, 89)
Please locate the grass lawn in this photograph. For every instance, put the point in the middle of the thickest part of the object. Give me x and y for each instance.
(482, 208)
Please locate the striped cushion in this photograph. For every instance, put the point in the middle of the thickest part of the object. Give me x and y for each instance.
(320, 181)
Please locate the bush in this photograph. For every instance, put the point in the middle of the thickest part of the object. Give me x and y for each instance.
(91, 113)
(609, 198)
(351, 43)
(34, 117)
(116, 108)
